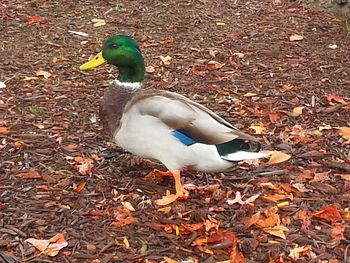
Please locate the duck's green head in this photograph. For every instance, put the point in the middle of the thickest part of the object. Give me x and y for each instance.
(124, 53)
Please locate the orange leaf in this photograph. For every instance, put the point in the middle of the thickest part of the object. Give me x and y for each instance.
(277, 197)
(278, 157)
(271, 218)
(80, 187)
(4, 130)
(329, 213)
(36, 19)
(168, 199)
(345, 132)
(126, 221)
(30, 174)
(337, 231)
(43, 187)
(169, 260)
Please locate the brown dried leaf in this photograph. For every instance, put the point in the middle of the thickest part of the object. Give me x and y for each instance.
(297, 111)
(297, 251)
(337, 231)
(278, 157)
(30, 174)
(49, 247)
(43, 73)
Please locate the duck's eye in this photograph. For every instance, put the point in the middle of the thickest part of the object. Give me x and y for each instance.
(113, 46)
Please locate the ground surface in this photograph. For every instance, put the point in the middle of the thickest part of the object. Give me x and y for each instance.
(49, 129)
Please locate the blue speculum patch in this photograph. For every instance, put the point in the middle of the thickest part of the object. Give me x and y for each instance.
(183, 138)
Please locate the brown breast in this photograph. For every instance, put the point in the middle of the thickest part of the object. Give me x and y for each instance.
(112, 106)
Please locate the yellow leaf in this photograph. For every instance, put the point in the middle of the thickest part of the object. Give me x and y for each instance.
(297, 111)
(296, 37)
(98, 22)
(345, 132)
(30, 78)
(277, 231)
(126, 242)
(250, 94)
(128, 206)
(220, 24)
(295, 252)
(166, 60)
(43, 73)
(259, 129)
(278, 157)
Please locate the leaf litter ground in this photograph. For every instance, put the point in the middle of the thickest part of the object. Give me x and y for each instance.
(274, 68)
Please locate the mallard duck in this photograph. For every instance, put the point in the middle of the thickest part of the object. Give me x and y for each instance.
(163, 125)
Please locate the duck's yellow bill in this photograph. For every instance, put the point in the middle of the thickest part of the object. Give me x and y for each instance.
(98, 60)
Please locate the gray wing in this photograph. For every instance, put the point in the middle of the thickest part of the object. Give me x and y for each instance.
(191, 118)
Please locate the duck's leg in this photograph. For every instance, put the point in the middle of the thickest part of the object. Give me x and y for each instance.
(181, 192)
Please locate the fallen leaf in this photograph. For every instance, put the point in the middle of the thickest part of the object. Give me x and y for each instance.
(329, 213)
(301, 187)
(238, 199)
(321, 177)
(345, 177)
(250, 94)
(277, 231)
(286, 87)
(220, 24)
(278, 157)
(125, 221)
(335, 98)
(150, 69)
(169, 260)
(2, 85)
(98, 22)
(297, 111)
(30, 174)
(49, 247)
(337, 231)
(84, 165)
(259, 129)
(30, 78)
(80, 187)
(42, 187)
(277, 197)
(297, 251)
(36, 19)
(43, 73)
(4, 130)
(274, 117)
(166, 60)
(296, 37)
(128, 206)
(126, 242)
(345, 132)
(214, 65)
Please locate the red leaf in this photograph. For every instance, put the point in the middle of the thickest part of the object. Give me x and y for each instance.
(329, 213)
(36, 19)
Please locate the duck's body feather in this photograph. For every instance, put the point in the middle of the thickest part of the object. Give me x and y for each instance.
(154, 124)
